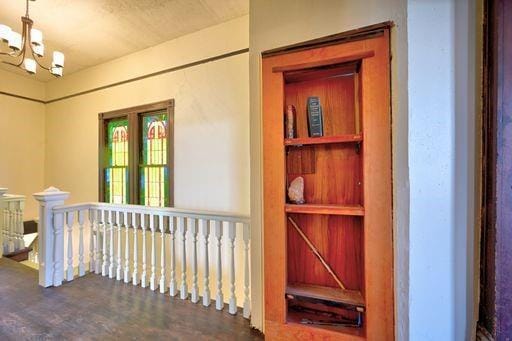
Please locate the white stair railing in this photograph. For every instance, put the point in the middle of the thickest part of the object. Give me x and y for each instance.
(11, 222)
(164, 249)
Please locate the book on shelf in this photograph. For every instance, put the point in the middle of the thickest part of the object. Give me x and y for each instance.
(315, 117)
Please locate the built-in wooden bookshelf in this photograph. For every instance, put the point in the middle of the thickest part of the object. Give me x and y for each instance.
(346, 216)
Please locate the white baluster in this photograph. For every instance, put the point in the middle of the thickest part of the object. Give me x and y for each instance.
(12, 242)
(206, 292)
(152, 279)
(126, 248)
(81, 265)
(173, 286)
(58, 255)
(143, 278)
(20, 243)
(195, 288)
(232, 236)
(100, 226)
(119, 267)
(104, 267)
(162, 253)
(5, 229)
(135, 276)
(111, 225)
(69, 223)
(247, 302)
(219, 300)
(92, 242)
(183, 231)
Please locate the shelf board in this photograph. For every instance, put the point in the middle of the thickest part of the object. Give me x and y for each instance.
(323, 140)
(338, 295)
(352, 210)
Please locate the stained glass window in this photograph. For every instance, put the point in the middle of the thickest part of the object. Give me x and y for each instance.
(154, 169)
(116, 172)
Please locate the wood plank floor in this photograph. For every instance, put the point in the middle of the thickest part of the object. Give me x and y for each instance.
(93, 307)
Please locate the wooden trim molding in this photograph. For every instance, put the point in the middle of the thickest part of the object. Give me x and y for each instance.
(22, 97)
(495, 315)
(371, 31)
(169, 70)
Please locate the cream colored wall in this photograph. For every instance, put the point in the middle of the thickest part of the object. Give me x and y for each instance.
(211, 120)
(279, 23)
(22, 138)
(212, 41)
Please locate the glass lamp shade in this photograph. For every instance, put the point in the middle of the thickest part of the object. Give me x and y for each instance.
(30, 65)
(5, 32)
(56, 70)
(36, 37)
(15, 40)
(58, 59)
(39, 50)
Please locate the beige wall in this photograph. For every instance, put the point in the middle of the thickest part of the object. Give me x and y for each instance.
(22, 138)
(211, 121)
(278, 23)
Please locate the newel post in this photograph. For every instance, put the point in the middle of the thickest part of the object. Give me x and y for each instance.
(51, 238)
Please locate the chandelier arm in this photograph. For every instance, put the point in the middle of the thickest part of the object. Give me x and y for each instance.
(37, 61)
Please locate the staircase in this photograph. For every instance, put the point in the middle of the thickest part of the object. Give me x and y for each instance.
(13, 243)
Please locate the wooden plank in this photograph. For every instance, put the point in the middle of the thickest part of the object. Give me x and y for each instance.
(324, 62)
(350, 138)
(352, 210)
(338, 295)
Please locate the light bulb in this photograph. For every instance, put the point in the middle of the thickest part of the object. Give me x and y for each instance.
(15, 40)
(38, 50)
(5, 32)
(58, 59)
(30, 65)
(55, 70)
(36, 37)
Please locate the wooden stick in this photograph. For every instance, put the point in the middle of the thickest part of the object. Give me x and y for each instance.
(317, 254)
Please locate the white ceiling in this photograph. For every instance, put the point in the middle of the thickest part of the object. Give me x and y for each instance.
(91, 32)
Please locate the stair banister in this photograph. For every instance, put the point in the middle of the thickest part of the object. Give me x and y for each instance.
(187, 233)
(48, 199)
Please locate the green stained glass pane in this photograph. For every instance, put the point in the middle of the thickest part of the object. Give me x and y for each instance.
(154, 172)
(116, 172)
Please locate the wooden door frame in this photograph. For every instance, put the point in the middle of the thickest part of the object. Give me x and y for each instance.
(495, 313)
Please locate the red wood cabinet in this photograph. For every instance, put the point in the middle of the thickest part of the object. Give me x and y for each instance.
(348, 192)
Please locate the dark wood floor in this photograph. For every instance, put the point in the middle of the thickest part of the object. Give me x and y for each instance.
(93, 307)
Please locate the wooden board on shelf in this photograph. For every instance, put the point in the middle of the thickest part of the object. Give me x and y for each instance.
(337, 295)
(303, 141)
(353, 210)
(337, 101)
(339, 239)
(332, 173)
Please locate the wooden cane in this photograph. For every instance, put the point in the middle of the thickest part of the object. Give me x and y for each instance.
(317, 254)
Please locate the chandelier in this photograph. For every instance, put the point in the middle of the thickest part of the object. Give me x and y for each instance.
(24, 50)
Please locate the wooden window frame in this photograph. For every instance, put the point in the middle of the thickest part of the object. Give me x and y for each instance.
(134, 116)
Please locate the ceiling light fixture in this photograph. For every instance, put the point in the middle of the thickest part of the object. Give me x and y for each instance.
(26, 48)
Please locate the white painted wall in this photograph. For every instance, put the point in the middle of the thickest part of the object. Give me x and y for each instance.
(433, 113)
(442, 146)
(22, 140)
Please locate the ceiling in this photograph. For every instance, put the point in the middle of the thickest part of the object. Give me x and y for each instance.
(91, 32)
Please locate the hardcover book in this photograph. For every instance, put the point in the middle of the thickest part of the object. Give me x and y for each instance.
(315, 117)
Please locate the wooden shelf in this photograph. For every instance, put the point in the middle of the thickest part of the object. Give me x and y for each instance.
(352, 210)
(338, 295)
(323, 140)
